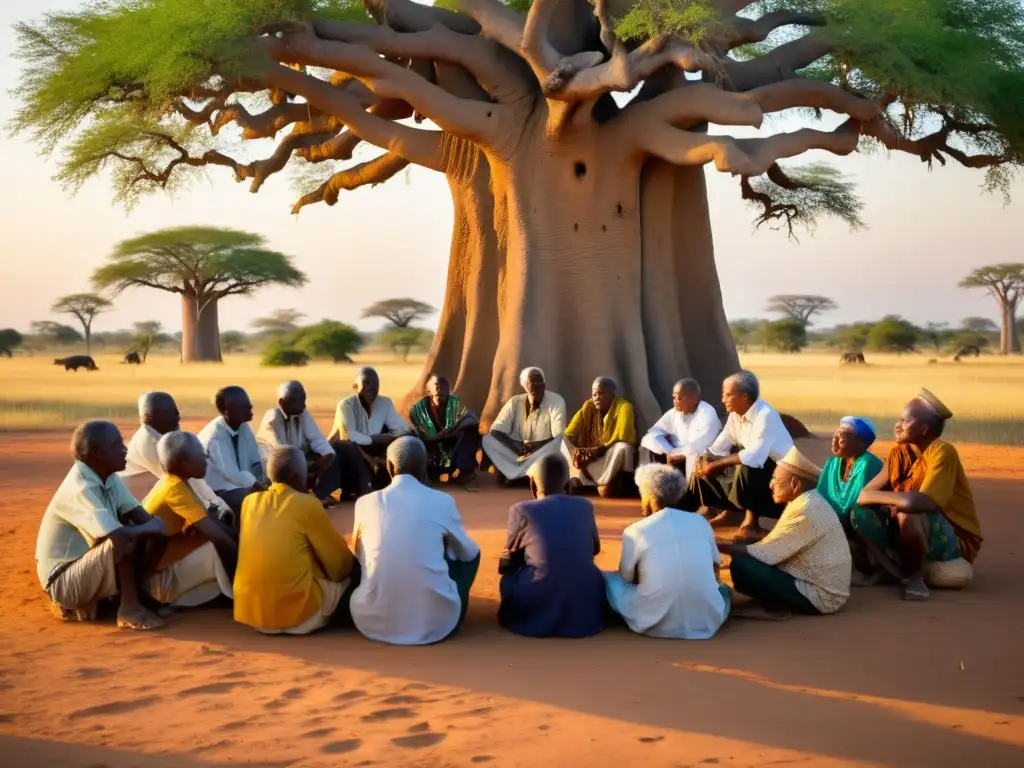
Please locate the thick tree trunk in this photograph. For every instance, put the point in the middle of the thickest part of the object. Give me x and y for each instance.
(200, 331)
(1009, 340)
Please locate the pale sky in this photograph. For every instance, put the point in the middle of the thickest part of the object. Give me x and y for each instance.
(926, 230)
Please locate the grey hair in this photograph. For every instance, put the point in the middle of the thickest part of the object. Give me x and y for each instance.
(662, 483)
(606, 383)
(691, 386)
(286, 463)
(289, 388)
(363, 373)
(408, 456)
(148, 403)
(747, 382)
(526, 373)
(174, 446)
(550, 474)
(87, 435)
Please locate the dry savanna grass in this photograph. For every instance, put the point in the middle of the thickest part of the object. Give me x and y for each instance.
(985, 394)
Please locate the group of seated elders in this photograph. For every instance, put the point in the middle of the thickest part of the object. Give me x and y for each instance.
(158, 414)
(95, 539)
(235, 468)
(752, 441)
(528, 428)
(417, 561)
(600, 441)
(803, 564)
(684, 433)
(295, 571)
(449, 430)
(365, 424)
(917, 516)
(550, 585)
(667, 584)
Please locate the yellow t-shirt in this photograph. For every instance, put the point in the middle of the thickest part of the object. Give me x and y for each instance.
(176, 504)
(945, 483)
(287, 542)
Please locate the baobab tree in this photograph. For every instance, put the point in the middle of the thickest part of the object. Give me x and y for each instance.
(582, 240)
(84, 307)
(203, 265)
(401, 313)
(801, 307)
(1004, 283)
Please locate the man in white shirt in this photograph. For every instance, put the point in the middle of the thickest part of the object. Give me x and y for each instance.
(290, 423)
(159, 415)
(754, 439)
(527, 428)
(417, 561)
(365, 424)
(235, 469)
(92, 539)
(685, 432)
(667, 582)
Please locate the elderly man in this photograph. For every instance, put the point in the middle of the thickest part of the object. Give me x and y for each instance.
(92, 542)
(667, 583)
(550, 586)
(685, 432)
(290, 423)
(235, 469)
(417, 561)
(449, 430)
(923, 528)
(528, 428)
(803, 564)
(754, 438)
(600, 441)
(159, 416)
(198, 560)
(365, 424)
(295, 572)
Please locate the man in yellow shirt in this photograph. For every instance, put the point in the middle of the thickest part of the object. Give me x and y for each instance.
(199, 553)
(295, 572)
(600, 441)
(923, 528)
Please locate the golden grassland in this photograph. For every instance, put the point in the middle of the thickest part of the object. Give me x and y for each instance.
(985, 394)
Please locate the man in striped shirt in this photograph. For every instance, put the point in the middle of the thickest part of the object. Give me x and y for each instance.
(803, 564)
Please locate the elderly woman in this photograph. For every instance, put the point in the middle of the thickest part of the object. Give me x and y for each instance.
(667, 583)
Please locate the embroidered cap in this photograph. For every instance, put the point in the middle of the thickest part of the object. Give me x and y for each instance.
(798, 464)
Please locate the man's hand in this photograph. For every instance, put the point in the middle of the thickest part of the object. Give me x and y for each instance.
(526, 449)
(260, 485)
(123, 543)
(383, 439)
(581, 457)
(711, 468)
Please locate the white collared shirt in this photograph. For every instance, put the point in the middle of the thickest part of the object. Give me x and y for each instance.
(143, 469)
(684, 434)
(227, 470)
(277, 429)
(545, 422)
(83, 510)
(405, 595)
(351, 422)
(759, 433)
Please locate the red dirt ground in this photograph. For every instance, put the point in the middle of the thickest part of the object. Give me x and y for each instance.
(883, 682)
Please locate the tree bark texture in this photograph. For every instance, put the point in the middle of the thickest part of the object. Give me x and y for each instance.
(1009, 339)
(200, 331)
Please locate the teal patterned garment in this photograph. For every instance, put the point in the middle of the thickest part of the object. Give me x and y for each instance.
(883, 533)
(842, 495)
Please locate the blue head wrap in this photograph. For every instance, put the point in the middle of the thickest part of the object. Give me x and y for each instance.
(863, 428)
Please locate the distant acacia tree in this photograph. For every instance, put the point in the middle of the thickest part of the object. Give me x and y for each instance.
(1004, 283)
(232, 341)
(279, 322)
(786, 335)
(401, 313)
(850, 338)
(801, 307)
(10, 340)
(937, 335)
(893, 334)
(202, 265)
(55, 333)
(402, 341)
(975, 332)
(147, 334)
(84, 307)
(744, 332)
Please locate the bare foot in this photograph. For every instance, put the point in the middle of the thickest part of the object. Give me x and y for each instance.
(575, 486)
(139, 618)
(858, 579)
(749, 534)
(759, 612)
(915, 589)
(722, 518)
(604, 491)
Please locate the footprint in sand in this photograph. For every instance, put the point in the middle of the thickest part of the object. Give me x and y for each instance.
(341, 747)
(293, 693)
(236, 725)
(402, 700)
(481, 758)
(389, 714)
(419, 741)
(211, 688)
(91, 673)
(114, 708)
(419, 727)
(6, 719)
(318, 734)
(417, 687)
(233, 675)
(650, 739)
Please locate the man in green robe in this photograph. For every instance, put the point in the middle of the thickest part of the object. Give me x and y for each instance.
(449, 430)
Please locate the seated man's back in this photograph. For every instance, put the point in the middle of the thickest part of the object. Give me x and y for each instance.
(552, 586)
(401, 537)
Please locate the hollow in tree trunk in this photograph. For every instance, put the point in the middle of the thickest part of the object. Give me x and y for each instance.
(200, 331)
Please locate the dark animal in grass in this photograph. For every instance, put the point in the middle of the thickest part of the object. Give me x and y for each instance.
(852, 358)
(968, 350)
(794, 426)
(75, 362)
(132, 358)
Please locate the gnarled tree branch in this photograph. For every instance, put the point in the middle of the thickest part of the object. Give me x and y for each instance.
(372, 172)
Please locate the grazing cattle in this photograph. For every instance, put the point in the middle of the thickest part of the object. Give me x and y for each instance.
(850, 358)
(967, 350)
(132, 358)
(75, 362)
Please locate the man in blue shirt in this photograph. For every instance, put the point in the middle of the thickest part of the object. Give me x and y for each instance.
(550, 585)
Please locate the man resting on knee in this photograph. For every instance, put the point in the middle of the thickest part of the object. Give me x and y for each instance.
(600, 441)
(93, 538)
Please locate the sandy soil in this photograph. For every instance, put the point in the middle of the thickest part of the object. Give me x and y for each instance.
(883, 682)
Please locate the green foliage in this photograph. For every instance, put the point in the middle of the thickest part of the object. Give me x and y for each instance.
(55, 333)
(978, 325)
(893, 334)
(402, 341)
(328, 339)
(279, 323)
(279, 354)
(203, 260)
(232, 341)
(998, 279)
(744, 332)
(937, 335)
(10, 340)
(800, 306)
(401, 313)
(849, 338)
(819, 190)
(786, 335)
(688, 19)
